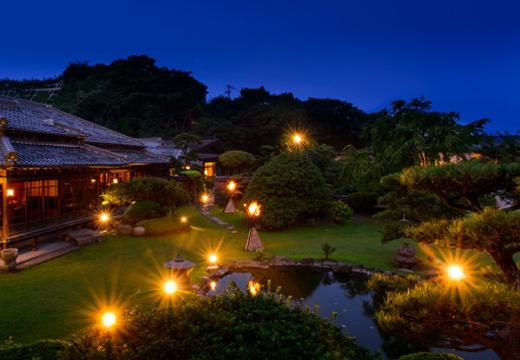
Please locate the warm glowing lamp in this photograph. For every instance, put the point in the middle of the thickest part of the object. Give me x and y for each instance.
(213, 285)
(115, 181)
(10, 192)
(455, 272)
(297, 138)
(212, 258)
(184, 219)
(253, 209)
(108, 320)
(253, 288)
(231, 186)
(170, 287)
(104, 217)
(204, 198)
(92, 181)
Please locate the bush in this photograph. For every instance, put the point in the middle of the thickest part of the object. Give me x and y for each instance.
(142, 210)
(290, 188)
(230, 326)
(341, 212)
(41, 350)
(237, 159)
(362, 202)
(164, 192)
(430, 356)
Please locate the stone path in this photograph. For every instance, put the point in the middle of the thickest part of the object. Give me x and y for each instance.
(206, 211)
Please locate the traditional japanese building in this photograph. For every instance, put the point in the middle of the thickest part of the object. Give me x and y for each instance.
(54, 166)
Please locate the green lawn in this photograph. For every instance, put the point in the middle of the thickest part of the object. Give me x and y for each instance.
(51, 299)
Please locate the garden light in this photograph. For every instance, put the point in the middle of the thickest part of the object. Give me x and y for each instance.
(231, 186)
(213, 285)
(184, 219)
(92, 181)
(108, 320)
(104, 217)
(10, 192)
(212, 258)
(170, 287)
(253, 288)
(297, 138)
(115, 181)
(455, 272)
(253, 209)
(204, 198)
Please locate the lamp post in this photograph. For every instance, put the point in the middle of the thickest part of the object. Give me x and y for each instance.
(230, 207)
(253, 242)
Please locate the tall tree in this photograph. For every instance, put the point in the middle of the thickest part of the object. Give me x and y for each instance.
(409, 133)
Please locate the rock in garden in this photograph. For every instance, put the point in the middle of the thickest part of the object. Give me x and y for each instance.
(139, 231)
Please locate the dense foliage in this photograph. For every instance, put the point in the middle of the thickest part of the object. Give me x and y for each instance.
(341, 212)
(237, 160)
(164, 192)
(40, 350)
(453, 315)
(257, 118)
(142, 210)
(409, 133)
(232, 326)
(290, 188)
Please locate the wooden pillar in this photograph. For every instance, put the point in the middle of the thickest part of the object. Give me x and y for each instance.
(5, 215)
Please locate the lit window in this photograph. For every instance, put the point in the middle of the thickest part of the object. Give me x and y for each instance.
(209, 169)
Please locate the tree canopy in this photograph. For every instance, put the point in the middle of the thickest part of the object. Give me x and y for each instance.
(409, 133)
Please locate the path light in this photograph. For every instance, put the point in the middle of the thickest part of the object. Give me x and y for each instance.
(297, 138)
(115, 181)
(212, 258)
(9, 192)
(108, 320)
(92, 181)
(204, 198)
(170, 287)
(213, 285)
(253, 210)
(231, 186)
(184, 219)
(455, 272)
(104, 217)
(253, 288)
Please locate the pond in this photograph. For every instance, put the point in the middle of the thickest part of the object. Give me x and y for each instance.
(344, 294)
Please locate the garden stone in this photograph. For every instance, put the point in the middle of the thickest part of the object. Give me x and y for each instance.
(8, 257)
(124, 229)
(139, 231)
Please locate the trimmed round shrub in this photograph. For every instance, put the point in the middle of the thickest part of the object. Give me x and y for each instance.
(430, 356)
(142, 210)
(290, 188)
(237, 159)
(41, 350)
(362, 202)
(164, 192)
(230, 326)
(341, 212)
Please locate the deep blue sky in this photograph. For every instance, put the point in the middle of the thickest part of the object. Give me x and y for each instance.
(462, 55)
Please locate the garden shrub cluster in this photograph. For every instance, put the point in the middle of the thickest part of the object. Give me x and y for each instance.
(165, 193)
(40, 350)
(341, 212)
(290, 188)
(230, 326)
(142, 210)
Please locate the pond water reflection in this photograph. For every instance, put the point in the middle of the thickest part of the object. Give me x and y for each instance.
(344, 294)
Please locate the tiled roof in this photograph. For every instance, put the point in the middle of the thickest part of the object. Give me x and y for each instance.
(62, 155)
(32, 117)
(140, 156)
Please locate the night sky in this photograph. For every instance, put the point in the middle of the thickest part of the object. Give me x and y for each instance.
(462, 55)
